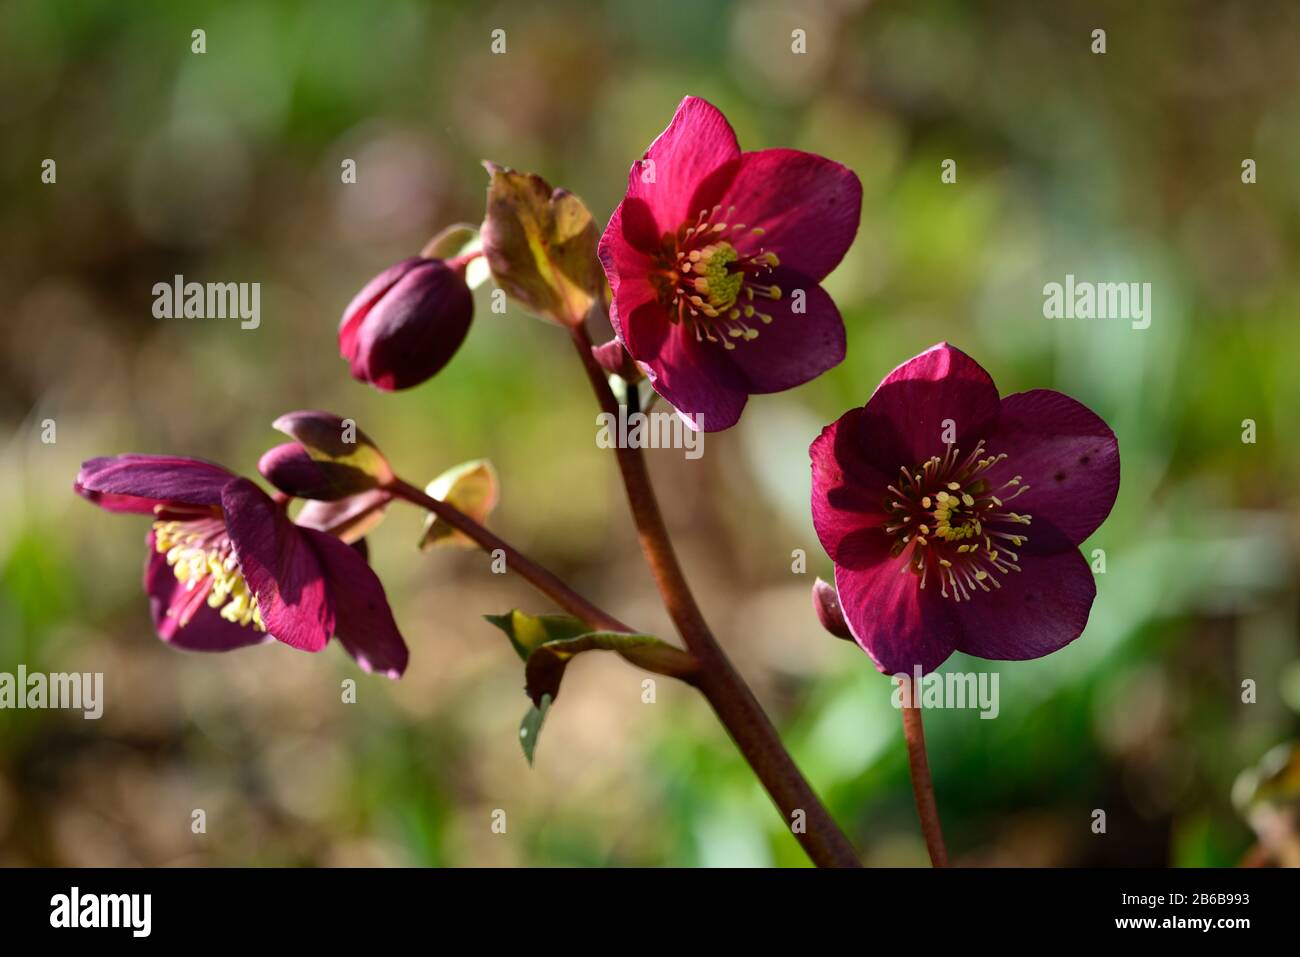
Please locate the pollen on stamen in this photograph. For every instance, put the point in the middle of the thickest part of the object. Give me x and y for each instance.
(201, 558)
(949, 501)
(710, 285)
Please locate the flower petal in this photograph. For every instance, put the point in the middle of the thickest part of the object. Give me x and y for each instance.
(280, 567)
(794, 347)
(206, 630)
(635, 313)
(808, 207)
(697, 141)
(697, 380)
(643, 328)
(136, 483)
(348, 519)
(630, 238)
(1067, 456)
(364, 622)
(1036, 611)
(847, 490)
(906, 415)
(897, 623)
(361, 303)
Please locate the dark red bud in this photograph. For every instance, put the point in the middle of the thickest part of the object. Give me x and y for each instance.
(826, 602)
(614, 359)
(407, 323)
(291, 469)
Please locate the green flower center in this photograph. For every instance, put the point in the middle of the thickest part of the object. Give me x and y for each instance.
(712, 288)
(713, 280)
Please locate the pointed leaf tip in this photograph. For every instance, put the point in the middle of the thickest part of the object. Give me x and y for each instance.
(530, 728)
(472, 488)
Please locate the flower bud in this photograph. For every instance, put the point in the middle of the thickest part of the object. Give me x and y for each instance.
(291, 469)
(826, 602)
(407, 323)
(614, 359)
(328, 438)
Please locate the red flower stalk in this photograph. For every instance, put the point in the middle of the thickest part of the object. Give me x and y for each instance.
(954, 517)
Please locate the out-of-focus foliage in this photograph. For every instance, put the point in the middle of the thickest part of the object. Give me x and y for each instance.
(225, 166)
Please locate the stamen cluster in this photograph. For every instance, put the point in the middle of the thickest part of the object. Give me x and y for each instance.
(202, 558)
(710, 286)
(948, 520)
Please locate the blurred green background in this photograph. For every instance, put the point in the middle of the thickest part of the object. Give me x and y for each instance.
(225, 167)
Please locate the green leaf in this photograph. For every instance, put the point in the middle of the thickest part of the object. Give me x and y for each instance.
(473, 488)
(545, 666)
(541, 246)
(547, 643)
(531, 727)
(528, 632)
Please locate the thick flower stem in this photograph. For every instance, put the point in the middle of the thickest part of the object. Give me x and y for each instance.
(727, 693)
(922, 785)
(539, 577)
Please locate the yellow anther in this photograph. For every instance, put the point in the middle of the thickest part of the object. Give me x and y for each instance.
(193, 564)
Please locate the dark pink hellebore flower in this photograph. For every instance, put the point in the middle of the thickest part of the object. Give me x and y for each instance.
(227, 568)
(965, 542)
(715, 258)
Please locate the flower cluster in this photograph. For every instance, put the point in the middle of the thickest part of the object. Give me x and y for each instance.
(953, 517)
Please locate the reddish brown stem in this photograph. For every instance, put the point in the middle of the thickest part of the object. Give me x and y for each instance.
(542, 579)
(731, 699)
(922, 784)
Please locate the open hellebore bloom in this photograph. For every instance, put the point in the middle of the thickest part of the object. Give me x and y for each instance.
(227, 568)
(714, 257)
(954, 517)
(407, 322)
